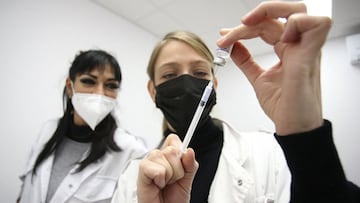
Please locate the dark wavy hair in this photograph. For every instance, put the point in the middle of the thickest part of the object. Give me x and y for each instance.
(103, 135)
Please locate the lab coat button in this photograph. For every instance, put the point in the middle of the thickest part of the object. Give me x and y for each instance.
(239, 182)
(70, 186)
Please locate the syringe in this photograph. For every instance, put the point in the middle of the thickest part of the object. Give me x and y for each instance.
(197, 115)
(221, 54)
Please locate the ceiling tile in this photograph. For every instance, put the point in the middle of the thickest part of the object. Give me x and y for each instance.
(159, 23)
(201, 16)
(130, 10)
(206, 17)
(162, 3)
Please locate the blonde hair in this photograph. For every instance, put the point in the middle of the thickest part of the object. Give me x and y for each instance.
(189, 38)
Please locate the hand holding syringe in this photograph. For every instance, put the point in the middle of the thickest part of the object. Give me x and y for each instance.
(220, 60)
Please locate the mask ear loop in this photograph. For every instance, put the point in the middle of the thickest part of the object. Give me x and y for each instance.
(72, 89)
(70, 96)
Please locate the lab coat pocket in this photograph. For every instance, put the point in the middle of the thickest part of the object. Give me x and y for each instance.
(96, 189)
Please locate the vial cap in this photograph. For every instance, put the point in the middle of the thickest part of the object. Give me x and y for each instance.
(219, 61)
(223, 52)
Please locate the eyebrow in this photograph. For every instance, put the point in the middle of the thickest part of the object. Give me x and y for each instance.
(93, 76)
(96, 77)
(199, 62)
(168, 64)
(191, 63)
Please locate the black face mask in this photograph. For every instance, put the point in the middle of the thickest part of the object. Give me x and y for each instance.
(178, 99)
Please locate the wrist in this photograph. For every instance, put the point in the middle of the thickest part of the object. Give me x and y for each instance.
(296, 128)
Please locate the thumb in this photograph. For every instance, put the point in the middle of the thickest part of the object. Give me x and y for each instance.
(190, 167)
(245, 62)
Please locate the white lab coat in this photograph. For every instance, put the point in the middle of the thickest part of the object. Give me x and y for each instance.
(252, 169)
(94, 183)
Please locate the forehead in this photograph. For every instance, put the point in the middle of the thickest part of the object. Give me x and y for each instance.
(101, 71)
(177, 51)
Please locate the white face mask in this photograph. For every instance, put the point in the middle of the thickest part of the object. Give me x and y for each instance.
(93, 108)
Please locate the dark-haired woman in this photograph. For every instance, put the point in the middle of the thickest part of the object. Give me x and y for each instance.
(79, 157)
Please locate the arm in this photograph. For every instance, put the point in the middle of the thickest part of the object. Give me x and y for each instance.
(317, 174)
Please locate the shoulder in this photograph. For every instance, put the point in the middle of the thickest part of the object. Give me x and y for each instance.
(259, 147)
(50, 125)
(259, 136)
(131, 147)
(127, 141)
(256, 142)
(47, 130)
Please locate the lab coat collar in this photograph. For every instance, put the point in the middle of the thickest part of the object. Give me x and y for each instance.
(232, 168)
(235, 146)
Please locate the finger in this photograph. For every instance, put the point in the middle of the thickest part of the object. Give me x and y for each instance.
(308, 28)
(189, 162)
(160, 170)
(172, 155)
(243, 59)
(269, 30)
(151, 172)
(190, 167)
(224, 31)
(172, 140)
(273, 9)
(230, 36)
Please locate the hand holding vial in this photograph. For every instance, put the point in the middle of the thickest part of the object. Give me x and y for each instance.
(289, 92)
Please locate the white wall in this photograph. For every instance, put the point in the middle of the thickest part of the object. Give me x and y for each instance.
(341, 98)
(39, 40)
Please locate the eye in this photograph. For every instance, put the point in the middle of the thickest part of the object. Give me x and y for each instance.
(201, 70)
(169, 76)
(88, 81)
(201, 74)
(112, 86)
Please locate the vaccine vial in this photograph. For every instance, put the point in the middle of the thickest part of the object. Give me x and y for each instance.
(221, 54)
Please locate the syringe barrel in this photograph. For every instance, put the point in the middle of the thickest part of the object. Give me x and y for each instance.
(195, 120)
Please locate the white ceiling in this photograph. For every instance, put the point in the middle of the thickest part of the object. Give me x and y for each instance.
(206, 17)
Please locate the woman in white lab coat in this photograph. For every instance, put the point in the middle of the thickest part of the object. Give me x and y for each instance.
(79, 157)
(251, 169)
(233, 166)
